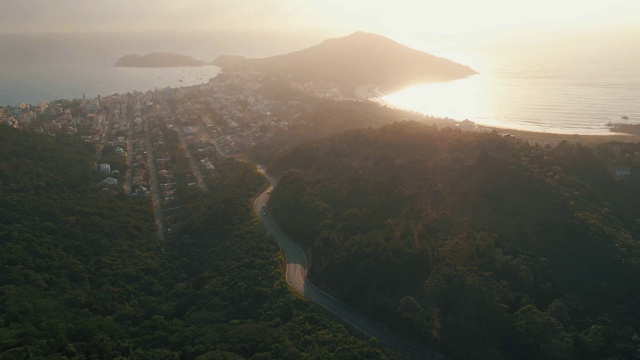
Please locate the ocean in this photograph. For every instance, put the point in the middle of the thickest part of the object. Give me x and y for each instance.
(568, 85)
(549, 84)
(48, 67)
(70, 81)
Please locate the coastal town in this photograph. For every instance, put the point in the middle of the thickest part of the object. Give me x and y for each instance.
(398, 217)
(160, 143)
(163, 143)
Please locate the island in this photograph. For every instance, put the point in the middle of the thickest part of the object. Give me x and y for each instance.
(356, 60)
(158, 59)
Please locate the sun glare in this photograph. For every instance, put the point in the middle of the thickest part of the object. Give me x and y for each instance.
(435, 98)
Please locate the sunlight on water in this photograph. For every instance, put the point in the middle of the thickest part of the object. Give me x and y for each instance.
(460, 99)
(540, 101)
(545, 85)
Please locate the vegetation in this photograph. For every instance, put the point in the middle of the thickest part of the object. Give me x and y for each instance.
(479, 245)
(326, 117)
(355, 60)
(84, 275)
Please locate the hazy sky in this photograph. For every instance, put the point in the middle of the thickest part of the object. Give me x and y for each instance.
(331, 16)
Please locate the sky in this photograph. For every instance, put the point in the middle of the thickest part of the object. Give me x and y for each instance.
(448, 28)
(330, 16)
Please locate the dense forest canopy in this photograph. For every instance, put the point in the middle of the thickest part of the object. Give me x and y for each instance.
(85, 276)
(481, 245)
(324, 117)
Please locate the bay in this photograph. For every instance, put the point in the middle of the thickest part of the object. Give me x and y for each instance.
(567, 87)
(46, 67)
(69, 81)
(553, 84)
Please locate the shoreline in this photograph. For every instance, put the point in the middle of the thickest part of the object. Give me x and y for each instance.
(107, 80)
(372, 92)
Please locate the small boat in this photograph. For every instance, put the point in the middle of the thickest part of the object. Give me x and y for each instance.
(625, 117)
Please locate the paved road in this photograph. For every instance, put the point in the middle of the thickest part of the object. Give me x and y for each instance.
(296, 276)
(128, 182)
(195, 169)
(153, 182)
(105, 124)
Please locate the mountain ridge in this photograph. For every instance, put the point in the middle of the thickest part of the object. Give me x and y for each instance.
(360, 58)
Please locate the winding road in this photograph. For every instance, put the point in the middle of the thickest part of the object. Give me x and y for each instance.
(296, 276)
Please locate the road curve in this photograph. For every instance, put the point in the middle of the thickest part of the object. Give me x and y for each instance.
(296, 276)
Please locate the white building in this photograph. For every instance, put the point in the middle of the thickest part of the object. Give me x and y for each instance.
(105, 168)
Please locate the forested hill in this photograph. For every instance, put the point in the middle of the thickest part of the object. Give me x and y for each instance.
(84, 275)
(325, 117)
(358, 59)
(77, 263)
(483, 246)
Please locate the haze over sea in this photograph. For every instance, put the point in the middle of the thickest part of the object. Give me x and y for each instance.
(550, 84)
(47, 67)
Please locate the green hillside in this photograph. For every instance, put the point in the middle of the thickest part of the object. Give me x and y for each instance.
(84, 275)
(482, 246)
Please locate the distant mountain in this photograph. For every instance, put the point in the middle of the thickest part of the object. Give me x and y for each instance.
(359, 59)
(158, 59)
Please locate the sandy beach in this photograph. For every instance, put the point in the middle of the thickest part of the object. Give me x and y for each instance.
(553, 139)
(372, 92)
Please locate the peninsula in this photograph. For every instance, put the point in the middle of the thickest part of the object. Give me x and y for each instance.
(355, 60)
(158, 59)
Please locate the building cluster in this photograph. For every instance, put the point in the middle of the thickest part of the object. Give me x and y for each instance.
(223, 117)
(230, 112)
(137, 159)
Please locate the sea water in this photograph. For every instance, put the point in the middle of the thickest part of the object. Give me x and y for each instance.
(46, 67)
(48, 82)
(573, 87)
(35, 68)
(559, 86)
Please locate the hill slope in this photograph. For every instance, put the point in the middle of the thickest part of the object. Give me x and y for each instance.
(361, 59)
(480, 245)
(84, 275)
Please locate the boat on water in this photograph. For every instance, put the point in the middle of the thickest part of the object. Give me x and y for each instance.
(625, 117)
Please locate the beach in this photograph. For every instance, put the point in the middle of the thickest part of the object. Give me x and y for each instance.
(371, 92)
